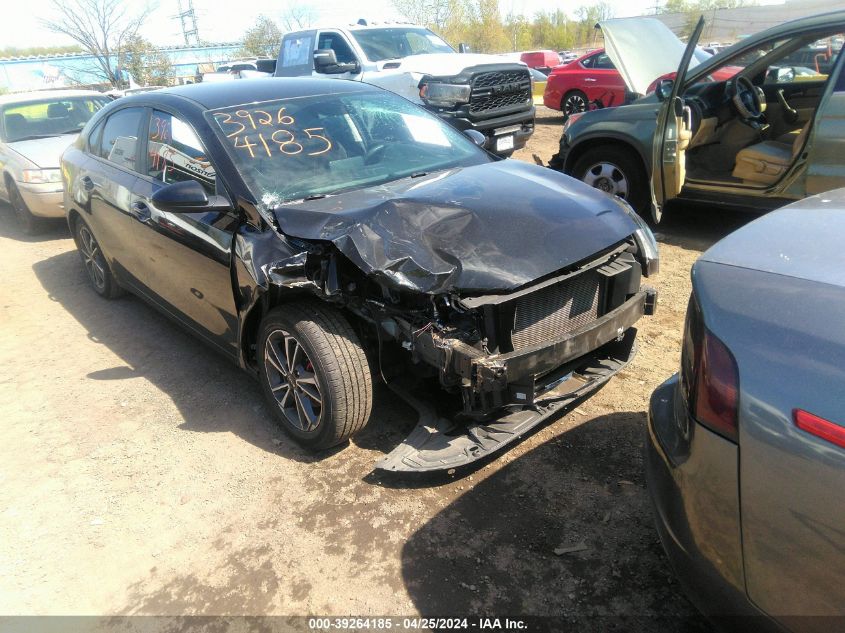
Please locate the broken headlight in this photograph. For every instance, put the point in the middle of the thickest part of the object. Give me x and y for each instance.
(646, 242)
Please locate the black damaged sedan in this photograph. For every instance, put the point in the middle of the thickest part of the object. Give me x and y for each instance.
(319, 233)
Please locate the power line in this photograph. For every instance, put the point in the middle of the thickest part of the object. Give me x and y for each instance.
(188, 20)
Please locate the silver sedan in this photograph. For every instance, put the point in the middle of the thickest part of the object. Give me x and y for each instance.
(745, 456)
(35, 128)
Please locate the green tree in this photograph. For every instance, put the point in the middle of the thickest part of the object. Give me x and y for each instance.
(261, 40)
(101, 27)
(147, 65)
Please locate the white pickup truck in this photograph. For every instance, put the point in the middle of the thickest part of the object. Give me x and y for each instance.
(472, 92)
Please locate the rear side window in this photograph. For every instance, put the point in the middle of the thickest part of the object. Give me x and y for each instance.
(119, 141)
(175, 153)
(603, 61)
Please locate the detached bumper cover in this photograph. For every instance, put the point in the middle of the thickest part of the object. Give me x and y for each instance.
(438, 444)
(535, 383)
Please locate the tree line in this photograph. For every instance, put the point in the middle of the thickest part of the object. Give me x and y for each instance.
(107, 30)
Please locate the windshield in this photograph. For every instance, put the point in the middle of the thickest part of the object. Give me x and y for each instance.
(290, 149)
(51, 117)
(395, 43)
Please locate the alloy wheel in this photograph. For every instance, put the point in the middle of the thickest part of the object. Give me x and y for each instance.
(608, 178)
(92, 257)
(573, 104)
(292, 380)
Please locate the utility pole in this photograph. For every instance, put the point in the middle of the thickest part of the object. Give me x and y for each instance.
(656, 7)
(188, 20)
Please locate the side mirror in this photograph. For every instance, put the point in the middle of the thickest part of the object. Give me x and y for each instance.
(463, 47)
(187, 197)
(664, 89)
(325, 61)
(476, 137)
(266, 65)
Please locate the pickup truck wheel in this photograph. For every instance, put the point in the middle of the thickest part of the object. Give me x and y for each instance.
(314, 374)
(27, 222)
(574, 101)
(616, 171)
(99, 274)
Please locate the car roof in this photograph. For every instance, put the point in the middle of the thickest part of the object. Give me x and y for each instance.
(801, 240)
(213, 95)
(44, 95)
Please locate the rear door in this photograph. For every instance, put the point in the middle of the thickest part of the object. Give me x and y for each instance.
(673, 134)
(186, 257)
(107, 180)
(608, 87)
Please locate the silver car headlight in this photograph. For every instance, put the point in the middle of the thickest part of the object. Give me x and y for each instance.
(41, 176)
(646, 242)
(444, 95)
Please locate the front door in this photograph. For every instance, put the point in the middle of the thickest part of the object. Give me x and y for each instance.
(186, 257)
(336, 41)
(672, 136)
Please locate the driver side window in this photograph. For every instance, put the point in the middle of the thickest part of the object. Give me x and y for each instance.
(336, 42)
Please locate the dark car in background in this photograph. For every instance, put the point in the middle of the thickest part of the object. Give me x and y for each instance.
(746, 445)
(314, 237)
(768, 135)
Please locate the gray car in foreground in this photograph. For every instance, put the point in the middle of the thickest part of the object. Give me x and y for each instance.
(746, 445)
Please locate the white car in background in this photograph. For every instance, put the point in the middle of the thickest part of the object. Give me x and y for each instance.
(35, 129)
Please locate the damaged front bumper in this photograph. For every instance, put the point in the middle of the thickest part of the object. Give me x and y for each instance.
(523, 388)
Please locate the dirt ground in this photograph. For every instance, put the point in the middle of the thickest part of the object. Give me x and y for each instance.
(140, 473)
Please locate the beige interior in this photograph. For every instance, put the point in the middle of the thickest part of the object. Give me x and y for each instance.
(764, 163)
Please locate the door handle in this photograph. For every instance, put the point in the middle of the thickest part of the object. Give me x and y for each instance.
(589, 79)
(87, 183)
(140, 211)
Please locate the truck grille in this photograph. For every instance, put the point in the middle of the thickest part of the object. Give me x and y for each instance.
(556, 310)
(493, 90)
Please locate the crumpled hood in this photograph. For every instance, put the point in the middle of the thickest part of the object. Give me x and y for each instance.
(491, 227)
(445, 64)
(44, 152)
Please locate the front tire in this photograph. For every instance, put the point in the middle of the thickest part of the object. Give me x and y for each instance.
(616, 171)
(98, 270)
(27, 222)
(314, 374)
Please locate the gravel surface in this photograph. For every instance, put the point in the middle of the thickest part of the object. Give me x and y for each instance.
(140, 473)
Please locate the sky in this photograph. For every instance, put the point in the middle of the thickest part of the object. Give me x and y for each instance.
(219, 21)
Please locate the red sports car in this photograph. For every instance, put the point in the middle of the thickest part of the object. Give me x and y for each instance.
(592, 81)
(591, 78)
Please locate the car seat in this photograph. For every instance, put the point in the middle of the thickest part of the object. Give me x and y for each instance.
(764, 163)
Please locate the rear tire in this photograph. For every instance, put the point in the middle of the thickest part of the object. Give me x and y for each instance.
(616, 171)
(27, 222)
(99, 273)
(314, 374)
(573, 102)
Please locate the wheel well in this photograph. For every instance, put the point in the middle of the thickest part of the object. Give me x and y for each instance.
(582, 148)
(72, 216)
(253, 318)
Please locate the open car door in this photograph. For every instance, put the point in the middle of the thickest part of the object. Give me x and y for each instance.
(672, 136)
